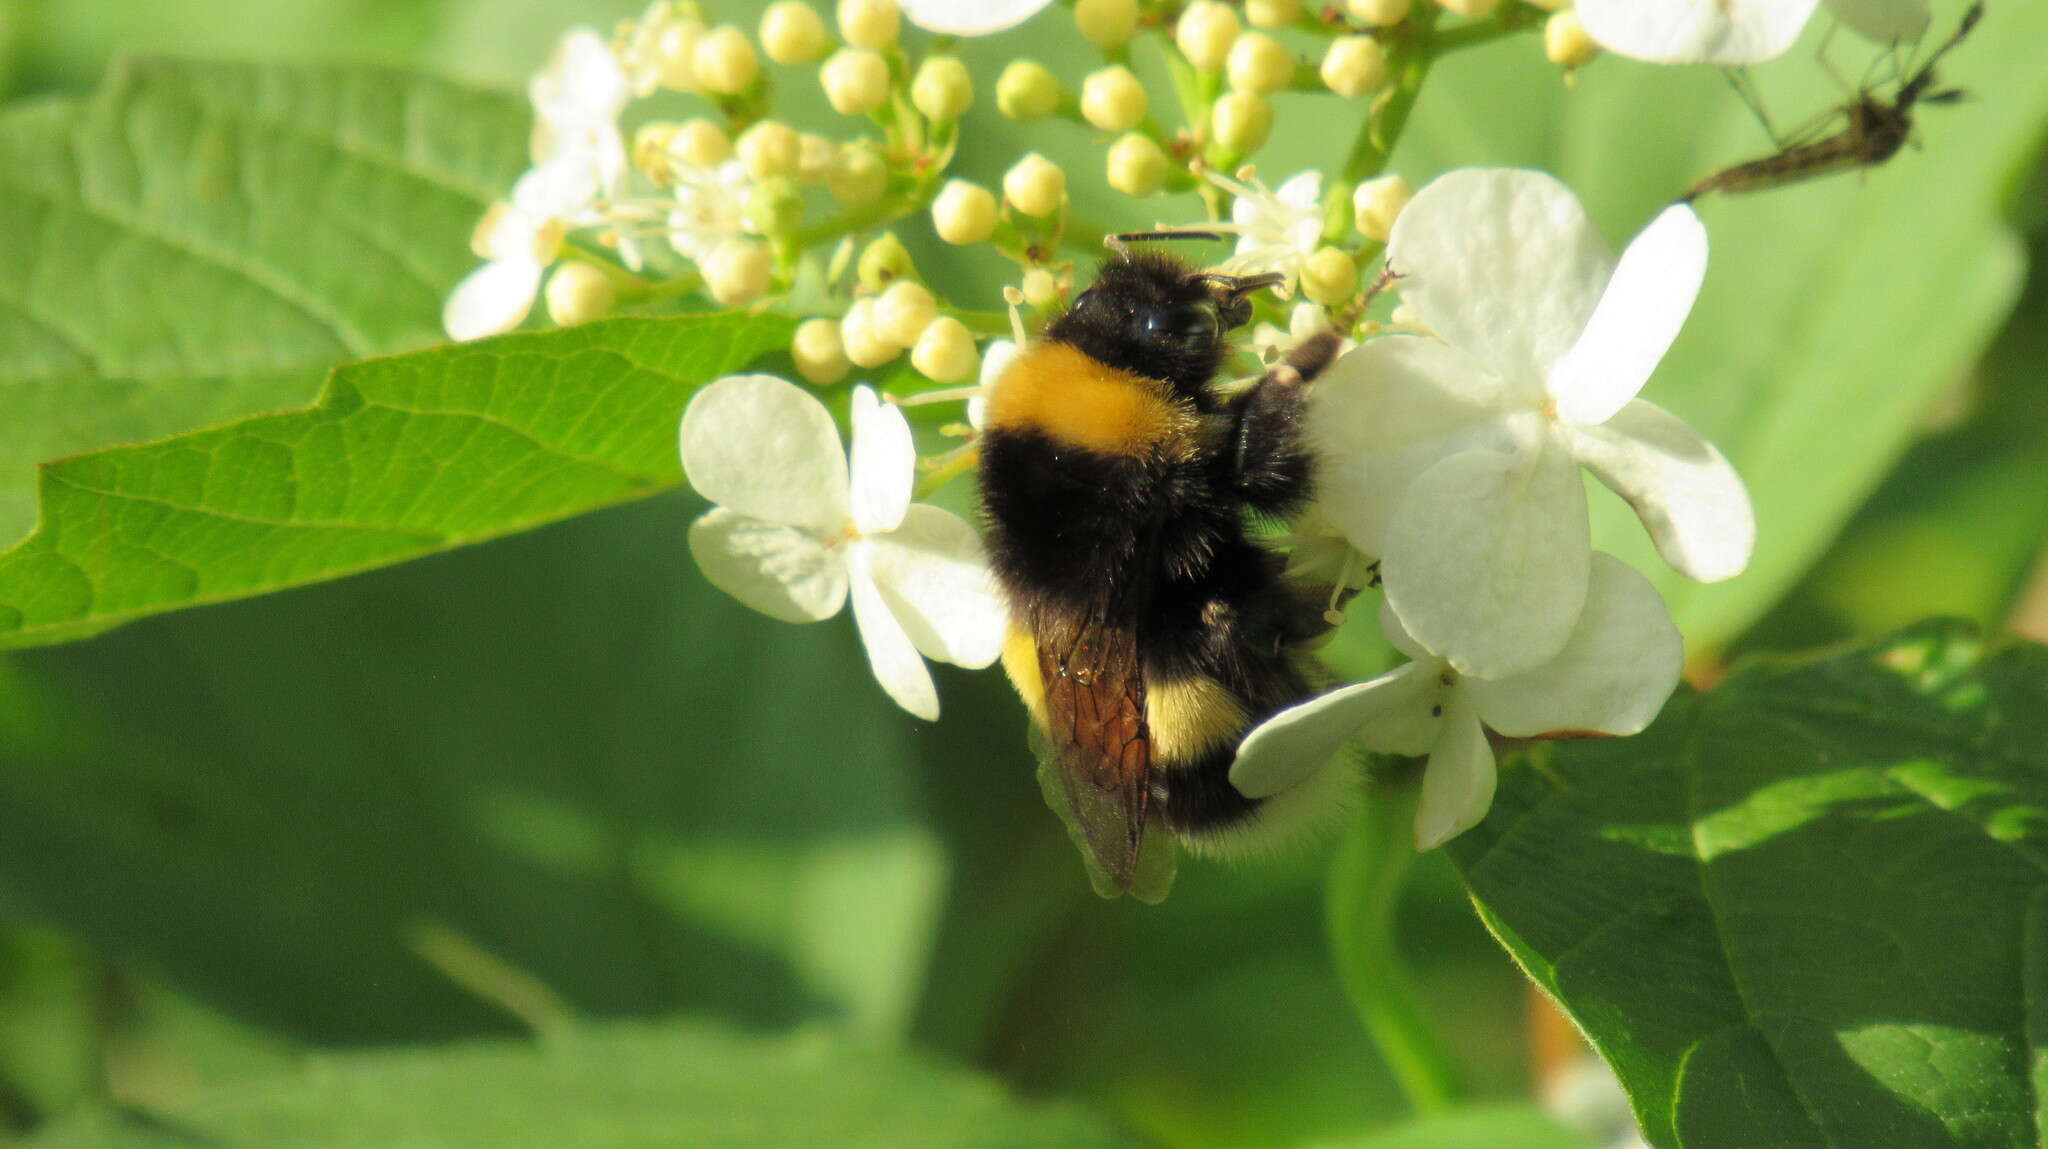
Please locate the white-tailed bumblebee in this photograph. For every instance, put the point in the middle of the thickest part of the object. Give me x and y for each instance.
(1151, 629)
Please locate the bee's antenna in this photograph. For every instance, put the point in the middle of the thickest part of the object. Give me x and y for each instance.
(1236, 285)
(1120, 244)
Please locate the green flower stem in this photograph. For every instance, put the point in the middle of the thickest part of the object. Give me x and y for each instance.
(1382, 128)
(1511, 18)
(887, 209)
(1364, 887)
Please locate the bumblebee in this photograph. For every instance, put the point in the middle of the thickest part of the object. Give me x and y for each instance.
(1151, 629)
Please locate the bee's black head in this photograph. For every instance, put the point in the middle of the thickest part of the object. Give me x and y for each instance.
(1156, 316)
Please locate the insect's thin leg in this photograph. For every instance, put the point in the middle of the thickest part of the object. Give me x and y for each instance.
(1270, 462)
(1744, 86)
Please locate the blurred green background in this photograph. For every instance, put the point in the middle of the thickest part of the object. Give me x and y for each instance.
(320, 820)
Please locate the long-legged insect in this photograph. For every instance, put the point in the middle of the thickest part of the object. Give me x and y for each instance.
(1876, 130)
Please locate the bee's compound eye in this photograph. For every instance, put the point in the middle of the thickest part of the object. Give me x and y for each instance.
(1195, 324)
(1083, 301)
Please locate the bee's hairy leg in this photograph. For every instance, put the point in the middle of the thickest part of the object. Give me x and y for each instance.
(1272, 465)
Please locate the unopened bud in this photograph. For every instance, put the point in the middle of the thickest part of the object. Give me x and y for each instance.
(1041, 288)
(1035, 185)
(964, 212)
(725, 62)
(792, 32)
(944, 351)
(1377, 203)
(858, 177)
(1027, 91)
(1565, 40)
(883, 261)
(865, 346)
(1240, 121)
(1328, 276)
(815, 156)
(942, 90)
(769, 149)
(1205, 33)
(1258, 63)
(1272, 13)
(1550, 5)
(1473, 8)
(578, 293)
(772, 207)
(903, 311)
(651, 147)
(1108, 24)
(1354, 65)
(871, 24)
(1112, 99)
(699, 143)
(675, 54)
(819, 354)
(1137, 165)
(737, 272)
(856, 81)
(1379, 13)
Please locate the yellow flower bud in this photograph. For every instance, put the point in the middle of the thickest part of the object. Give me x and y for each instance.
(737, 272)
(1041, 288)
(1473, 8)
(865, 346)
(1113, 99)
(725, 62)
(1137, 165)
(675, 54)
(769, 149)
(1550, 5)
(772, 207)
(858, 176)
(856, 81)
(1377, 203)
(1240, 121)
(944, 352)
(651, 147)
(1257, 63)
(1205, 32)
(903, 311)
(820, 355)
(1035, 185)
(964, 212)
(1027, 91)
(792, 32)
(1272, 13)
(870, 24)
(699, 143)
(578, 293)
(1379, 13)
(1354, 65)
(1108, 24)
(942, 90)
(815, 157)
(1565, 40)
(1328, 276)
(883, 261)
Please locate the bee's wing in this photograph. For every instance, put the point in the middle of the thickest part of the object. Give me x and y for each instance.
(1097, 746)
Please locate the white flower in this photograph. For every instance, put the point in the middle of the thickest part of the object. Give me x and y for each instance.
(519, 239)
(656, 50)
(577, 99)
(710, 208)
(798, 530)
(969, 17)
(1611, 677)
(1735, 32)
(1277, 229)
(1456, 463)
(1271, 344)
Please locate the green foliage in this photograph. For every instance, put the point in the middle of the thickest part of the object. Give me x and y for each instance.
(194, 243)
(1479, 1127)
(400, 458)
(1805, 908)
(620, 1087)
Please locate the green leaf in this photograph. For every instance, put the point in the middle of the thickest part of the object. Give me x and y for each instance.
(1806, 908)
(400, 458)
(620, 1087)
(1481, 1127)
(200, 242)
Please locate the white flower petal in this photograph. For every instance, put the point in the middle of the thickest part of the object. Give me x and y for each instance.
(1724, 32)
(782, 571)
(1884, 21)
(936, 581)
(891, 655)
(1485, 559)
(1622, 662)
(560, 187)
(764, 447)
(1639, 314)
(1688, 496)
(1293, 744)
(969, 17)
(491, 300)
(884, 463)
(1398, 636)
(1502, 263)
(1384, 413)
(1457, 785)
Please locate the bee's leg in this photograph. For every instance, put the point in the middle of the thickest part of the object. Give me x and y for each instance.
(1271, 464)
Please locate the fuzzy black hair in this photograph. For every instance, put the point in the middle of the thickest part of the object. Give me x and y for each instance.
(1151, 314)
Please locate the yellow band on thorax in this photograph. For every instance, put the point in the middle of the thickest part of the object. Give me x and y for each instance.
(1061, 392)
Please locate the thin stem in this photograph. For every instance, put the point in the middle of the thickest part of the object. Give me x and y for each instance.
(1360, 897)
(1511, 18)
(1383, 126)
(949, 468)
